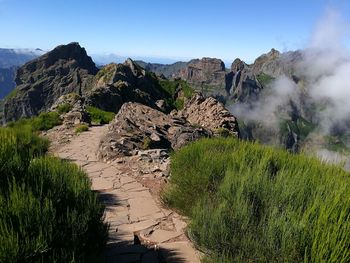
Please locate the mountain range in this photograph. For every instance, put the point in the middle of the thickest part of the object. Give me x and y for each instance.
(271, 97)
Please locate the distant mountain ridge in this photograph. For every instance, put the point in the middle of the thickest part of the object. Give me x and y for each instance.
(10, 60)
(168, 70)
(17, 57)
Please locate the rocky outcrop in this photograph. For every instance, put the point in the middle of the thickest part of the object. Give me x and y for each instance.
(276, 64)
(242, 83)
(210, 114)
(207, 75)
(139, 127)
(76, 114)
(41, 82)
(116, 84)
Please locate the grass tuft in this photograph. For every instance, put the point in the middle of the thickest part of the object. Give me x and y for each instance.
(99, 116)
(81, 128)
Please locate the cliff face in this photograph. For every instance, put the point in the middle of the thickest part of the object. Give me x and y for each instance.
(42, 81)
(207, 75)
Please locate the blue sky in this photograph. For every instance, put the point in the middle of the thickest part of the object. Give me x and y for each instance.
(178, 29)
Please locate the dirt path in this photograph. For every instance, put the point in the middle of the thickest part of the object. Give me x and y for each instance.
(141, 230)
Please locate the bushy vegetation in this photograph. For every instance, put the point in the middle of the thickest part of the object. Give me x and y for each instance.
(299, 126)
(265, 79)
(99, 116)
(43, 122)
(64, 108)
(171, 87)
(81, 128)
(47, 211)
(250, 203)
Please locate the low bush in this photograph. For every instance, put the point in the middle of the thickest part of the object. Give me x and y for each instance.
(47, 211)
(45, 121)
(64, 108)
(99, 116)
(250, 203)
(81, 128)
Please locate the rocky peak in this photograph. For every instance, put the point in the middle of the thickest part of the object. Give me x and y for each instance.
(237, 65)
(40, 82)
(71, 55)
(207, 75)
(135, 68)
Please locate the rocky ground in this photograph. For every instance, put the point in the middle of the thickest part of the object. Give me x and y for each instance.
(142, 229)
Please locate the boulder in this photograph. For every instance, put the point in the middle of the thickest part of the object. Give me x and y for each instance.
(210, 114)
(139, 127)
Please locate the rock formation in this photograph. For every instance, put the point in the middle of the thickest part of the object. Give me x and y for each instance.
(210, 114)
(207, 75)
(139, 127)
(116, 84)
(42, 81)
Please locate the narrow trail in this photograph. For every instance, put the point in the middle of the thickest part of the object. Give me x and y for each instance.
(141, 230)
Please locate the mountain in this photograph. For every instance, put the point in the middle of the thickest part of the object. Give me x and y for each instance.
(42, 81)
(168, 70)
(68, 69)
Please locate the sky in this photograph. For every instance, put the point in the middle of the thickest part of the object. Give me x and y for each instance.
(165, 29)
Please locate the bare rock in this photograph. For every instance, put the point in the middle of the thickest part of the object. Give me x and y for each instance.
(204, 73)
(139, 127)
(210, 114)
(77, 113)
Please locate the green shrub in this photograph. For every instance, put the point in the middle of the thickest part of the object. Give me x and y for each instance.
(47, 211)
(250, 203)
(170, 87)
(99, 116)
(45, 121)
(147, 143)
(265, 79)
(17, 148)
(81, 128)
(64, 108)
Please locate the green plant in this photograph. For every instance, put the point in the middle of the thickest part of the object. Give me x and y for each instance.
(146, 143)
(12, 94)
(171, 87)
(265, 79)
(43, 122)
(250, 203)
(99, 116)
(81, 128)
(64, 108)
(48, 212)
